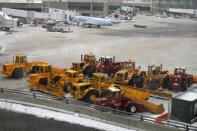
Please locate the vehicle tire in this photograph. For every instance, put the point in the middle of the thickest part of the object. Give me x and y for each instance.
(170, 84)
(80, 81)
(91, 96)
(17, 73)
(89, 70)
(131, 81)
(154, 84)
(184, 85)
(189, 82)
(132, 108)
(43, 81)
(56, 80)
(166, 82)
(137, 81)
(67, 87)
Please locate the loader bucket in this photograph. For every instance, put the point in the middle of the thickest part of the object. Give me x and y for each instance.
(158, 109)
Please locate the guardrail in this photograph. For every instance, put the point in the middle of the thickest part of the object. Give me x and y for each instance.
(168, 123)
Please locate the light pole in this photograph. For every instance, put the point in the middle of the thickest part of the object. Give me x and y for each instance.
(91, 14)
(151, 6)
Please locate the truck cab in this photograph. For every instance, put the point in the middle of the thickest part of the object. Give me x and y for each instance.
(181, 80)
(84, 91)
(115, 100)
(108, 65)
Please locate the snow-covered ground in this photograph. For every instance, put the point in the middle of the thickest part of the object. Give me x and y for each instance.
(66, 116)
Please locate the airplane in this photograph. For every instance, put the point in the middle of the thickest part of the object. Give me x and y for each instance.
(93, 21)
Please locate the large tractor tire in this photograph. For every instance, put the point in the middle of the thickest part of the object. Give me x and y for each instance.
(131, 108)
(184, 85)
(89, 70)
(137, 81)
(166, 82)
(56, 80)
(43, 81)
(189, 81)
(154, 84)
(91, 96)
(67, 87)
(17, 73)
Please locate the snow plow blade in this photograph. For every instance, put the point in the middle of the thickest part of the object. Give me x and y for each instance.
(152, 107)
(194, 79)
(161, 94)
(135, 93)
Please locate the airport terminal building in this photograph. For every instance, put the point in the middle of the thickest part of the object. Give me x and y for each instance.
(85, 7)
(100, 8)
(156, 6)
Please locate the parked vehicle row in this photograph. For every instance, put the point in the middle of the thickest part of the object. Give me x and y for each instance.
(104, 82)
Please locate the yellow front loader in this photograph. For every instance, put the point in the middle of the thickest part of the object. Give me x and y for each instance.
(19, 67)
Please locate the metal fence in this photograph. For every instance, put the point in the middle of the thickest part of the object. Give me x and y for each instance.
(137, 117)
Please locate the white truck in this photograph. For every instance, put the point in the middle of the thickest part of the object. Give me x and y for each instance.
(58, 26)
(6, 22)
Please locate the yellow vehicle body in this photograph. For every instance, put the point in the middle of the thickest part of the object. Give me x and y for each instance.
(99, 84)
(42, 83)
(129, 74)
(87, 65)
(152, 107)
(20, 66)
(56, 81)
(135, 93)
(122, 77)
(100, 81)
(89, 58)
(84, 91)
(78, 66)
(73, 76)
(156, 78)
(142, 100)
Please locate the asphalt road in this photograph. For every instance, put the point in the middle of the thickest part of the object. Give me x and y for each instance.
(124, 121)
(13, 121)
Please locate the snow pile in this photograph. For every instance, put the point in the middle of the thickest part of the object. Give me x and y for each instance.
(73, 118)
(2, 48)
